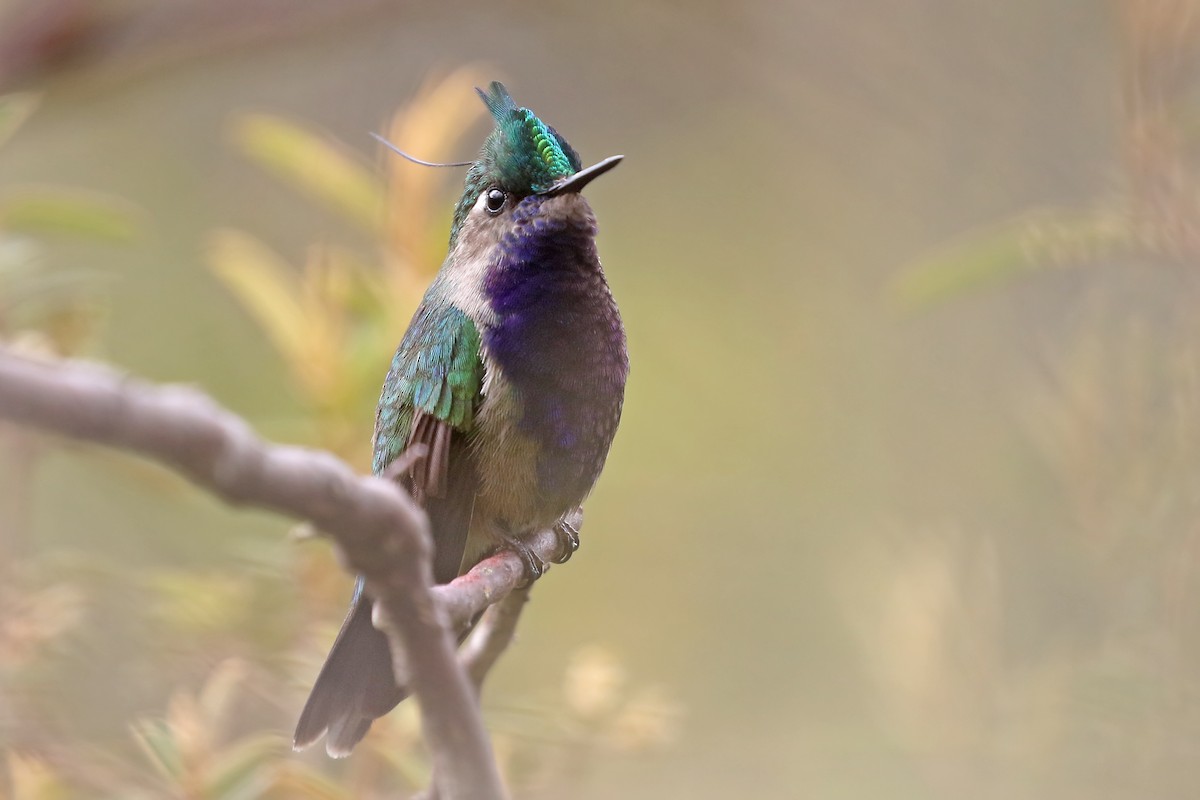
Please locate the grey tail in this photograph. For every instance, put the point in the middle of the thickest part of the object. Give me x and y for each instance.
(355, 687)
(358, 684)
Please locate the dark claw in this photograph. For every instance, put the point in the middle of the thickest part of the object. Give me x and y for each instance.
(534, 565)
(568, 540)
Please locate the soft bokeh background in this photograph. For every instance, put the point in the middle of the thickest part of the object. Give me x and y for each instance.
(906, 499)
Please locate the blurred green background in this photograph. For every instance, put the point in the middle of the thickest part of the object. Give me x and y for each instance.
(905, 499)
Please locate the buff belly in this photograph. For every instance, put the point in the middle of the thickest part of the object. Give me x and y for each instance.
(509, 500)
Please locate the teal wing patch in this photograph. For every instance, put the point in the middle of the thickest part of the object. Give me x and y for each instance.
(436, 372)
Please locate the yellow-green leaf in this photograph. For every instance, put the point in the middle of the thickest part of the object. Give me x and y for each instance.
(431, 125)
(265, 284)
(160, 748)
(32, 779)
(219, 694)
(245, 770)
(992, 255)
(312, 163)
(69, 212)
(302, 783)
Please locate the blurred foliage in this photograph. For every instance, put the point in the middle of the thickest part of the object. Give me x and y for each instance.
(1156, 214)
(943, 554)
(340, 315)
(14, 109)
(313, 164)
(597, 711)
(59, 310)
(333, 321)
(1115, 416)
(32, 618)
(37, 210)
(1052, 238)
(186, 747)
(43, 312)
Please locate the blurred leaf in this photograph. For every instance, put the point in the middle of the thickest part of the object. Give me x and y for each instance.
(34, 780)
(650, 719)
(68, 212)
(159, 745)
(396, 741)
(19, 256)
(265, 284)
(219, 692)
(307, 784)
(14, 110)
(20, 284)
(60, 306)
(593, 682)
(29, 619)
(246, 769)
(432, 126)
(1002, 252)
(313, 163)
(338, 317)
(200, 604)
(304, 312)
(191, 732)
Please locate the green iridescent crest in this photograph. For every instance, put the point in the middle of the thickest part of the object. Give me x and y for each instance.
(522, 155)
(525, 154)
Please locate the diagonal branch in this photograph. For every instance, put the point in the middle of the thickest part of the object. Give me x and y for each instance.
(382, 533)
(479, 654)
(492, 635)
(495, 577)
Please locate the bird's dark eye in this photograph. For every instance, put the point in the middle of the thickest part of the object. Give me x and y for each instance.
(495, 201)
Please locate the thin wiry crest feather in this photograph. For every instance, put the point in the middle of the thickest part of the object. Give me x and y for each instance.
(416, 160)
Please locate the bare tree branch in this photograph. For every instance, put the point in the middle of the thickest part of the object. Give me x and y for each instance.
(493, 578)
(382, 533)
(479, 653)
(493, 635)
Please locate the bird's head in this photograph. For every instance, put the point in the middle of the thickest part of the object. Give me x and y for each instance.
(522, 158)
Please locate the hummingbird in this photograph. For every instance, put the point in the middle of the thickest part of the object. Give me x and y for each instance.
(503, 397)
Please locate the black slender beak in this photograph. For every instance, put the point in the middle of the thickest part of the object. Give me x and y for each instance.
(574, 184)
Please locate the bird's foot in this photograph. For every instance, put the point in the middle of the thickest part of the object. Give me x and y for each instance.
(535, 566)
(568, 539)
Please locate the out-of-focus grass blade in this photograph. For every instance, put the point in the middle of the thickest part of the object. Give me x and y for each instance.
(31, 779)
(430, 126)
(14, 110)
(245, 771)
(993, 255)
(48, 288)
(68, 212)
(264, 284)
(312, 163)
(220, 691)
(301, 782)
(160, 747)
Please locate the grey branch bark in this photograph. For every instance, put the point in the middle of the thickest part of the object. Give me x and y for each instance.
(493, 635)
(382, 533)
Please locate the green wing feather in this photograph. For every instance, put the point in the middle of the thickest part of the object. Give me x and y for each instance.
(437, 371)
(430, 395)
